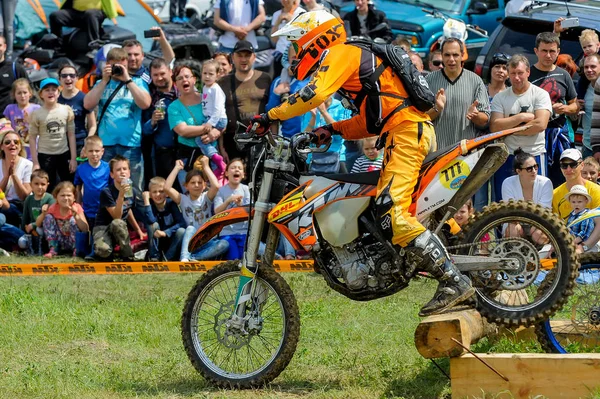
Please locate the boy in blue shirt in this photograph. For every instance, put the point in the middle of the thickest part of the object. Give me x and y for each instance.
(165, 222)
(90, 179)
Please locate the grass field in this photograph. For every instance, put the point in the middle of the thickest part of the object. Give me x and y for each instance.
(119, 337)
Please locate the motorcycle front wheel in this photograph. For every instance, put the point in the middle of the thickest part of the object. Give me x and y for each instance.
(545, 251)
(576, 328)
(231, 355)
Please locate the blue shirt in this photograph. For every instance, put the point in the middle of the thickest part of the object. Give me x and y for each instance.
(293, 125)
(76, 104)
(582, 229)
(164, 136)
(178, 113)
(93, 180)
(122, 122)
(169, 219)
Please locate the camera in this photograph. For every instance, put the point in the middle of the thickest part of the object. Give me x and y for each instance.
(117, 70)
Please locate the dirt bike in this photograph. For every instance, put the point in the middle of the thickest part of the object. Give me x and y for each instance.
(240, 324)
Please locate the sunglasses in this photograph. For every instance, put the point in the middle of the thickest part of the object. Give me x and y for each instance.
(9, 142)
(68, 75)
(436, 62)
(567, 165)
(530, 168)
(501, 57)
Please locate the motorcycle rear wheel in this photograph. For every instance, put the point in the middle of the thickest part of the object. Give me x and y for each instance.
(521, 301)
(576, 329)
(225, 357)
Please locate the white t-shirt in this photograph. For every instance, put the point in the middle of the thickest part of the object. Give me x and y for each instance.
(508, 103)
(195, 212)
(213, 103)
(226, 192)
(240, 14)
(542, 189)
(23, 171)
(282, 42)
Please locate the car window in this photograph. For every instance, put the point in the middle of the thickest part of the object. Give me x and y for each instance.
(453, 6)
(491, 4)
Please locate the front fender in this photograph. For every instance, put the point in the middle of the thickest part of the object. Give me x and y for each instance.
(213, 226)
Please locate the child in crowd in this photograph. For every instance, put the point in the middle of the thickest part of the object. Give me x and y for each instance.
(213, 107)
(62, 220)
(10, 236)
(52, 135)
(579, 198)
(590, 169)
(166, 225)
(19, 113)
(372, 158)
(117, 202)
(590, 44)
(196, 207)
(85, 121)
(32, 208)
(91, 178)
(233, 194)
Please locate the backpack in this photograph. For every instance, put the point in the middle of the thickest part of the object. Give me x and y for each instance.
(419, 94)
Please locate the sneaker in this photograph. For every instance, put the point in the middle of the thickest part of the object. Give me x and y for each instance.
(185, 20)
(4, 252)
(176, 20)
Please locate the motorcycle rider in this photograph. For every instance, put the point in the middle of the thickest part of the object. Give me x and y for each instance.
(320, 38)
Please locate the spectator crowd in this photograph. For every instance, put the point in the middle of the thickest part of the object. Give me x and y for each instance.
(148, 154)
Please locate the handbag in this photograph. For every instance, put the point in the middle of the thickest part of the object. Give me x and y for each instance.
(324, 163)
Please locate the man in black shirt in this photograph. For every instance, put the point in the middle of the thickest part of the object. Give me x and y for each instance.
(364, 18)
(9, 72)
(558, 83)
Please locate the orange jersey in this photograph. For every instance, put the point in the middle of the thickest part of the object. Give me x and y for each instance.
(341, 68)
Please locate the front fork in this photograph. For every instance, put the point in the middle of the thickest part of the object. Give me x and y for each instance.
(247, 285)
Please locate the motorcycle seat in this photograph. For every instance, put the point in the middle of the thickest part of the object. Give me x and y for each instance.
(369, 178)
(434, 156)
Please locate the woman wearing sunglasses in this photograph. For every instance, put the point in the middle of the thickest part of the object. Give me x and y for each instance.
(15, 172)
(527, 185)
(85, 121)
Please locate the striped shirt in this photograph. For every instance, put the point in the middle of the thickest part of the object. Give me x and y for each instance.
(364, 164)
(452, 124)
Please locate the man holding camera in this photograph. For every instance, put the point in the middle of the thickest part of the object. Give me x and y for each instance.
(120, 99)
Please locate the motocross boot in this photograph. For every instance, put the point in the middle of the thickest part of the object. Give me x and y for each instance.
(429, 254)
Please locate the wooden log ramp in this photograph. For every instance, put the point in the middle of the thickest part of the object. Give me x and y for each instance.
(503, 375)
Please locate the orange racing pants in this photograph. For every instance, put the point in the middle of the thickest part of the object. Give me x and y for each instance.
(406, 146)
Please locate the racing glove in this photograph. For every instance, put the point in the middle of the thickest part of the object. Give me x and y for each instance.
(322, 135)
(262, 122)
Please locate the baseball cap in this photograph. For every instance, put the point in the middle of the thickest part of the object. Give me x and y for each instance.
(572, 153)
(49, 81)
(243, 45)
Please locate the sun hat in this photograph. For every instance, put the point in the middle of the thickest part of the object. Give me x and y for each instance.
(578, 189)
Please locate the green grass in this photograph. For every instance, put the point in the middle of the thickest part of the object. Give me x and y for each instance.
(119, 337)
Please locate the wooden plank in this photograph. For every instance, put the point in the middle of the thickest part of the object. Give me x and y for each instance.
(529, 375)
(433, 336)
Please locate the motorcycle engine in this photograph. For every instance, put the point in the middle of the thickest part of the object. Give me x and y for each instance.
(363, 264)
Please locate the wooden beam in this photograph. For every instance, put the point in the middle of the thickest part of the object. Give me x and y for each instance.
(529, 375)
(433, 336)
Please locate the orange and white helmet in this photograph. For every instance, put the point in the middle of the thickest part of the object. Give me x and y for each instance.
(311, 33)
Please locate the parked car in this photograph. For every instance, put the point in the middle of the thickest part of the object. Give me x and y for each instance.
(409, 20)
(193, 8)
(516, 34)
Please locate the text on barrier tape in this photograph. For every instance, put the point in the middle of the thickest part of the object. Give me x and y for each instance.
(45, 269)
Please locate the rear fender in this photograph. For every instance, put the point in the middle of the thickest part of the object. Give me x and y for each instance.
(213, 226)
